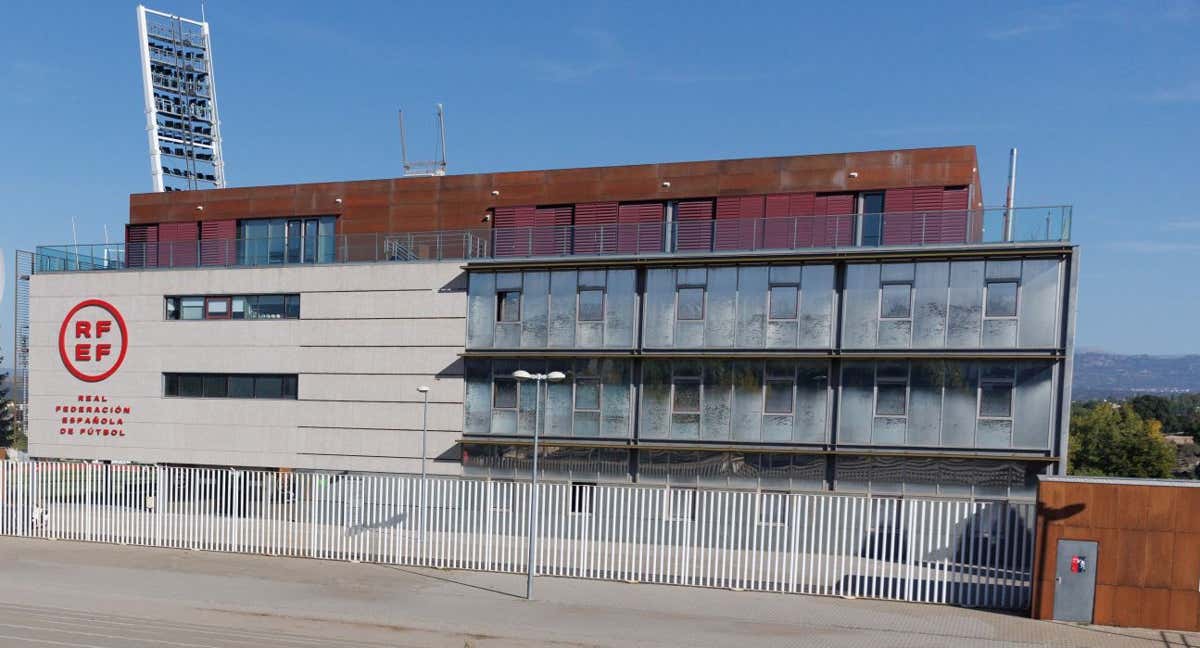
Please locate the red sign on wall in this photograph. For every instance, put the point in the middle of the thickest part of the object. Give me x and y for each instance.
(93, 340)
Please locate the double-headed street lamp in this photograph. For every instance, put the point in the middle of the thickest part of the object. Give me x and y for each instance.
(521, 375)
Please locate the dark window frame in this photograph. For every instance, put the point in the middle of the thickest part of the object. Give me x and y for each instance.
(1016, 298)
(174, 385)
(501, 311)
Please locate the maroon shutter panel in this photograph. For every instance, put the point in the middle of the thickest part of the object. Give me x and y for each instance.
(141, 246)
(552, 228)
(801, 207)
(218, 244)
(779, 226)
(739, 225)
(955, 216)
(640, 227)
(596, 228)
(835, 225)
(899, 219)
(512, 230)
(177, 244)
(694, 222)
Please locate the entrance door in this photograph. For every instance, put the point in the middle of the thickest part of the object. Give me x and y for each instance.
(1075, 581)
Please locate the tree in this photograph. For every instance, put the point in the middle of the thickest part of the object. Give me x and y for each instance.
(1148, 407)
(1112, 440)
(9, 433)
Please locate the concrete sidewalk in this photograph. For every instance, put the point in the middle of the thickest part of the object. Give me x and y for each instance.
(94, 595)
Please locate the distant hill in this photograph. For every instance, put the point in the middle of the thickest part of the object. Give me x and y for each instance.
(1111, 375)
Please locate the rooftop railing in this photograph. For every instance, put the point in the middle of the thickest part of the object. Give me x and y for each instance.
(680, 237)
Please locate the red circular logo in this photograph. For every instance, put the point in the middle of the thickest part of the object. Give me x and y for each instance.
(93, 340)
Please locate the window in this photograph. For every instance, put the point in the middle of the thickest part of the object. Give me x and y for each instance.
(222, 307)
(895, 301)
(690, 305)
(1001, 299)
(205, 385)
(686, 395)
(587, 394)
(591, 305)
(504, 395)
(996, 390)
(872, 219)
(785, 302)
(192, 308)
(279, 240)
(508, 306)
(216, 308)
(583, 495)
(891, 389)
(778, 396)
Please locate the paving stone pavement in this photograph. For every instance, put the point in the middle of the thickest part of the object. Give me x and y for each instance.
(101, 596)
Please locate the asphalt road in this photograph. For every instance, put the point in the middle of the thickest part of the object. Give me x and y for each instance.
(101, 596)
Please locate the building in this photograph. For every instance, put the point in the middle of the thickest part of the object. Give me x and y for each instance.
(856, 322)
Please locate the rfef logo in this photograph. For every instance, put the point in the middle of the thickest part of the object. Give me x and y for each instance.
(93, 340)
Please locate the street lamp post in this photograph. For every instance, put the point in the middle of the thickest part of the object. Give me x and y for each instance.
(521, 375)
(424, 433)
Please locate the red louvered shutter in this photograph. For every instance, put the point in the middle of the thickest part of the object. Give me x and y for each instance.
(694, 223)
(552, 230)
(898, 217)
(177, 245)
(596, 228)
(640, 227)
(739, 225)
(512, 230)
(834, 225)
(956, 227)
(141, 246)
(218, 244)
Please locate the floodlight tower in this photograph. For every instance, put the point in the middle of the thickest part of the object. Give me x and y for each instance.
(182, 125)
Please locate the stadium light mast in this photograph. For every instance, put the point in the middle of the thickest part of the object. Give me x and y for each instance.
(183, 128)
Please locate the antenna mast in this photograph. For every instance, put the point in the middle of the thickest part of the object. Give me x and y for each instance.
(425, 168)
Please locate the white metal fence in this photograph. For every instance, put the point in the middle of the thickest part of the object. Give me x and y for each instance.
(971, 553)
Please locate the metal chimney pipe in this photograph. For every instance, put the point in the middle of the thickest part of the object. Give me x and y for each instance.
(1008, 200)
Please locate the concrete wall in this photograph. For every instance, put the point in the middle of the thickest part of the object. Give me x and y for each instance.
(367, 336)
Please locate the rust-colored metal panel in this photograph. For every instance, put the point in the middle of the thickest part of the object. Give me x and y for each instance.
(1160, 509)
(460, 201)
(1160, 551)
(1187, 510)
(1185, 562)
(1131, 557)
(1126, 607)
(1183, 612)
(1133, 502)
(1155, 607)
(1102, 606)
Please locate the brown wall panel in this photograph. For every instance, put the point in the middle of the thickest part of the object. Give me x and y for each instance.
(1148, 569)
(460, 201)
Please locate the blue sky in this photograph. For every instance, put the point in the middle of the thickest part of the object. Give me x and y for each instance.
(1102, 98)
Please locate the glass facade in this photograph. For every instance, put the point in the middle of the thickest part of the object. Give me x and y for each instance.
(786, 355)
(271, 241)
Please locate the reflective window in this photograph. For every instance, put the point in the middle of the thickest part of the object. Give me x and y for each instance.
(785, 301)
(690, 305)
(508, 306)
(996, 381)
(1001, 299)
(778, 397)
(891, 399)
(220, 307)
(587, 394)
(895, 301)
(591, 305)
(686, 397)
(505, 395)
(265, 241)
(213, 385)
